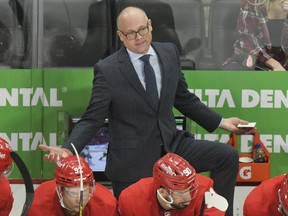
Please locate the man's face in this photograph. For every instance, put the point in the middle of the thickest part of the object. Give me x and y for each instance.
(135, 23)
(71, 198)
(181, 198)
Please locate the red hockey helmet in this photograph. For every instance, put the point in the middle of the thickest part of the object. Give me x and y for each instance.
(283, 195)
(174, 173)
(5, 158)
(67, 173)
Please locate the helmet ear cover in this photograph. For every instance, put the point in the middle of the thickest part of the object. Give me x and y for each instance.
(67, 173)
(175, 173)
(283, 195)
(5, 158)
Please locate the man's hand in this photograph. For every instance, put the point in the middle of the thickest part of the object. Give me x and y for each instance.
(55, 153)
(230, 124)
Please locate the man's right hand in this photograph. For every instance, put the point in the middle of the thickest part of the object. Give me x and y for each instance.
(55, 153)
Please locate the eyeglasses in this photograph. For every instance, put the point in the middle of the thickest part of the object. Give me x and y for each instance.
(132, 35)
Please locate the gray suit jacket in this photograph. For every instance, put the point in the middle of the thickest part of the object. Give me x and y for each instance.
(136, 128)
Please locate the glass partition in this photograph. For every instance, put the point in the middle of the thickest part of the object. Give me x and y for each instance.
(73, 33)
(16, 33)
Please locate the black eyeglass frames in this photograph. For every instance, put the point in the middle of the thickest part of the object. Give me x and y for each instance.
(132, 35)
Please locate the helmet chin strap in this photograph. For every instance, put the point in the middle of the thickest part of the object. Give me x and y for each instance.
(167, 202)
(280, 208)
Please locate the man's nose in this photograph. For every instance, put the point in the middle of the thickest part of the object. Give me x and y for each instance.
(138, 35)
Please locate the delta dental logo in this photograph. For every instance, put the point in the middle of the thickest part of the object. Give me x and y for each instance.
(249, 98)
(28, 97)
(29, 141)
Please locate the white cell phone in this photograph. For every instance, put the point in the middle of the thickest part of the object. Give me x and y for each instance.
(249, 125)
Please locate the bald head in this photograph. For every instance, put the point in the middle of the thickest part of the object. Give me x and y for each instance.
(128, 14)
(134, 21)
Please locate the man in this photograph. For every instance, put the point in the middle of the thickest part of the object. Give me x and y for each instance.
(268, 198)
(174, 189)
(61, 196)
(6, 198)
(141, 128)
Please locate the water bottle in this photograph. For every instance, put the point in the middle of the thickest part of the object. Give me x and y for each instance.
(259, 154)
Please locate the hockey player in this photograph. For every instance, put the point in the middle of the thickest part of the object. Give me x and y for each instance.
(61, 196)
(268, 198)
(174, 189)
(6, 198)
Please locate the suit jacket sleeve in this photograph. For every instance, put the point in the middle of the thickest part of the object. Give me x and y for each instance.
(191, 106)
(95, 114)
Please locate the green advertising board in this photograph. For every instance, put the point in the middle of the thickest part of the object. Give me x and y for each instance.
(260, 97)
(36, 104)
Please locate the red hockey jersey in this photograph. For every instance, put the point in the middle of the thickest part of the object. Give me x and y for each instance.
(140, 199)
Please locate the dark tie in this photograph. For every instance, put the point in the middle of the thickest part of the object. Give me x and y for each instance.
(150, 80)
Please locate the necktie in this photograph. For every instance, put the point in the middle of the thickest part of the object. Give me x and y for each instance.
(150, 80)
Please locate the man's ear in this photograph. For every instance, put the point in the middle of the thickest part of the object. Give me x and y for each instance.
(120, 35)
(150, 25)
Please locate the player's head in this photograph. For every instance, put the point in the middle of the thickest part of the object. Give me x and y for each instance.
(283, 196)
(67, 176)
(5, 158)
(176, 181)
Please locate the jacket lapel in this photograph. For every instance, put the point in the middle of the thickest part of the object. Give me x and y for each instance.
(127, 69)
(164, 66)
